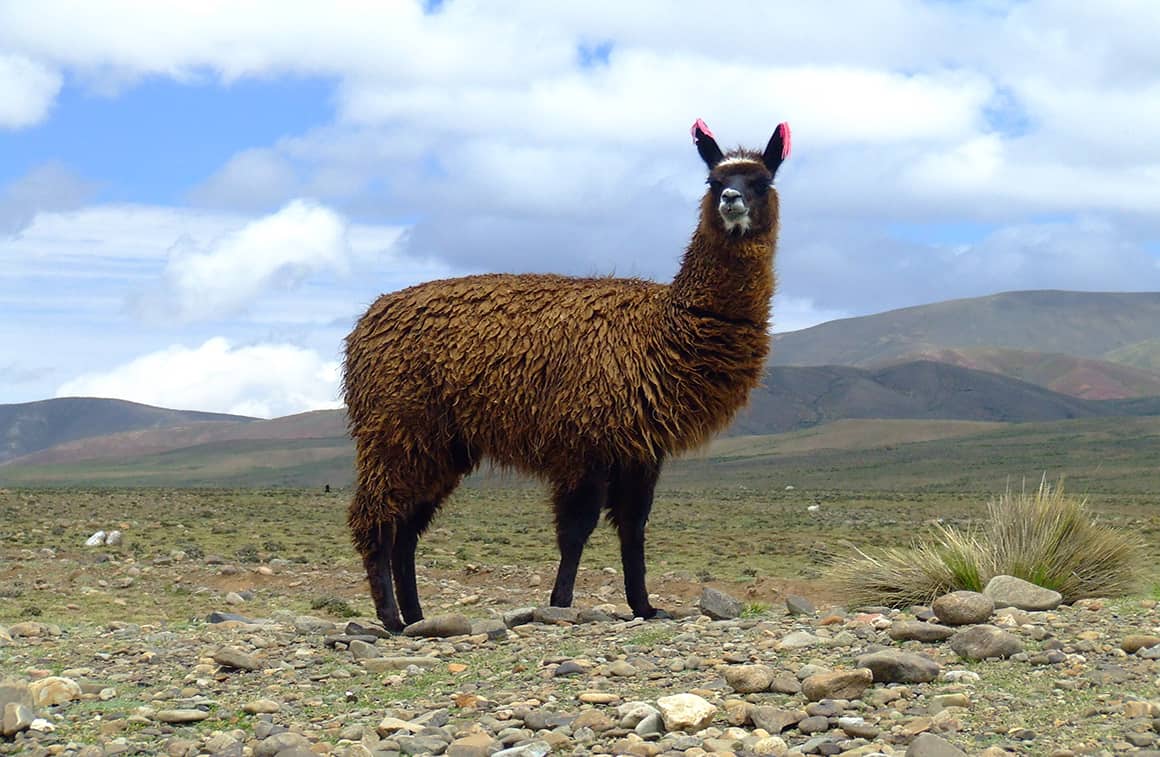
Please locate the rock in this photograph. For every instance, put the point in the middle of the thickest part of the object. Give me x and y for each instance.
(231, 657)
(518, 617)
(841, 684)
(383, 664)
(114, 539)
(961, 608)
(311, 625)
(390, 725)
(749, 679)
(362, 650)
(785, 682)
(685, 712)
(798, 605)
(224, 617)
(556, 615)
(234, 598)
(774, 745)
(97, 539)
(440, 626)
(15, 692)
(180, 716)
(281, 744)
(1009, 591)
(478, 744)
(631, 713)
(984, 641)
(917, 630)
(53, 690)
(594, 719)
(718, 605)
(1135, 642)
(798, 640)
(593, 615)
(929, 745)
(534, 749)
(814, 724)
(17, 717)
(897, 666)
(261, 706)
(652, 724)
(775, 720)
(494, 628)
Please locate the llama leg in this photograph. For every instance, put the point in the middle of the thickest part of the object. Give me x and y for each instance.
(630, 502)
(374, 536)
(577, 512)
(407, 536)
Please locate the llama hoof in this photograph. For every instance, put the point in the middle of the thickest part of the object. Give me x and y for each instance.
(392, 626)
(654, 613)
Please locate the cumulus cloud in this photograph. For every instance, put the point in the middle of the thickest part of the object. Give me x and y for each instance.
(29, 90)
(263, 380)
(253, 180)
(277, 251)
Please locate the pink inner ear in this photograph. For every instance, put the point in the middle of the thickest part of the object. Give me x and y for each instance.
(785, 139)
(702, 127)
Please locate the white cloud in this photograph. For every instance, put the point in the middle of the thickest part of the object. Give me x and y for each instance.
(254, 179)
(279, 250)
(29, 89)
(47, 187)
(264, 380)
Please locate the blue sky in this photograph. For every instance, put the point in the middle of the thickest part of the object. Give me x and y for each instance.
(195, 205)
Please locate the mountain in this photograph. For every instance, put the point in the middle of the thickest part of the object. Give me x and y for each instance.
(1121, 327)
(1076, 376)
(32, 426)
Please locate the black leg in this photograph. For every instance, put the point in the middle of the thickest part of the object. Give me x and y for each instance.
(377, 561)
(407, 536)
(630, 502)
(577, 513)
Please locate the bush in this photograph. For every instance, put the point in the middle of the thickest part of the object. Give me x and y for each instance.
(1048, 538)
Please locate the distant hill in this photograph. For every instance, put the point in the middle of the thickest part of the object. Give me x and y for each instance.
(313, 448)
(800, 397)
(32, 426)
(1076, 376)
(1122, 327)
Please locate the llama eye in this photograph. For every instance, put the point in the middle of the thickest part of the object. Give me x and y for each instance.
(713, 184)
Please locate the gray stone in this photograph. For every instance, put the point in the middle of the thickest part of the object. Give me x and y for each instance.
(440, 626)
(362, 650)
(114, 538)
(650, 724)
(749, 679)
(774, 719)
(473, 745)
(534, 749)
(556, 615)
(1133, 643)
(897, 666)
(961, 608)
(518, 617)
(276, 744)
(814, 724)
(231, 657)
(222, 617)
(97, 539)
(494, 628)
(785, 682)
(929, 745)
(260, 706)
(984, 641)
(798, 605)
(1009, 591)
(917, 630)
(311, 624)
(593, 615)
(384, 664)
(718, 605)
(631, 713)
(17, 717)
(180, 716)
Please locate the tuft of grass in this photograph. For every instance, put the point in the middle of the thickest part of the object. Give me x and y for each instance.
(1047, 537)
(754, 609)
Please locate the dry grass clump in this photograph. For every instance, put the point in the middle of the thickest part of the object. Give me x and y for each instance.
(1046, 537)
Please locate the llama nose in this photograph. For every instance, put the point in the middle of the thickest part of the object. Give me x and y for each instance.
(730, 196)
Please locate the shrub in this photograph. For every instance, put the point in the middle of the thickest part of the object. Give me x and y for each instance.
(1047, 537)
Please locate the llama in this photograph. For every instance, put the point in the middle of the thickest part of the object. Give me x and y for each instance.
(587, 383)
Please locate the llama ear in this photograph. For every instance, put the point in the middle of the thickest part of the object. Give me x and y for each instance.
(706, 144)
(778, 148)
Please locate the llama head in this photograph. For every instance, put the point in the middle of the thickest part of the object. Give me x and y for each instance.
(741, 199)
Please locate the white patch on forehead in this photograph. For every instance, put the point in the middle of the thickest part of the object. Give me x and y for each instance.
(737, 160)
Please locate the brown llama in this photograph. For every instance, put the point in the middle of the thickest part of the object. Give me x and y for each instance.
(588, 383)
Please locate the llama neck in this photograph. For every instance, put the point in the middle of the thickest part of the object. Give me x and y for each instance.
(726, 277)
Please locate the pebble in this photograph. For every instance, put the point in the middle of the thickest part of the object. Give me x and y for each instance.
(984, 641)
(232, 657)
(842, 684)
(685, 712)
(960, 608)
(180, 716)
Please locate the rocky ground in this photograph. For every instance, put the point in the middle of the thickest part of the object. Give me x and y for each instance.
(483, 676)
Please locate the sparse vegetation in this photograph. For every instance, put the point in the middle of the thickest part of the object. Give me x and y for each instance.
(1047, 537)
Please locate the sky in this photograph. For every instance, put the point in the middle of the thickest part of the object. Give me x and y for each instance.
(198, 199)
